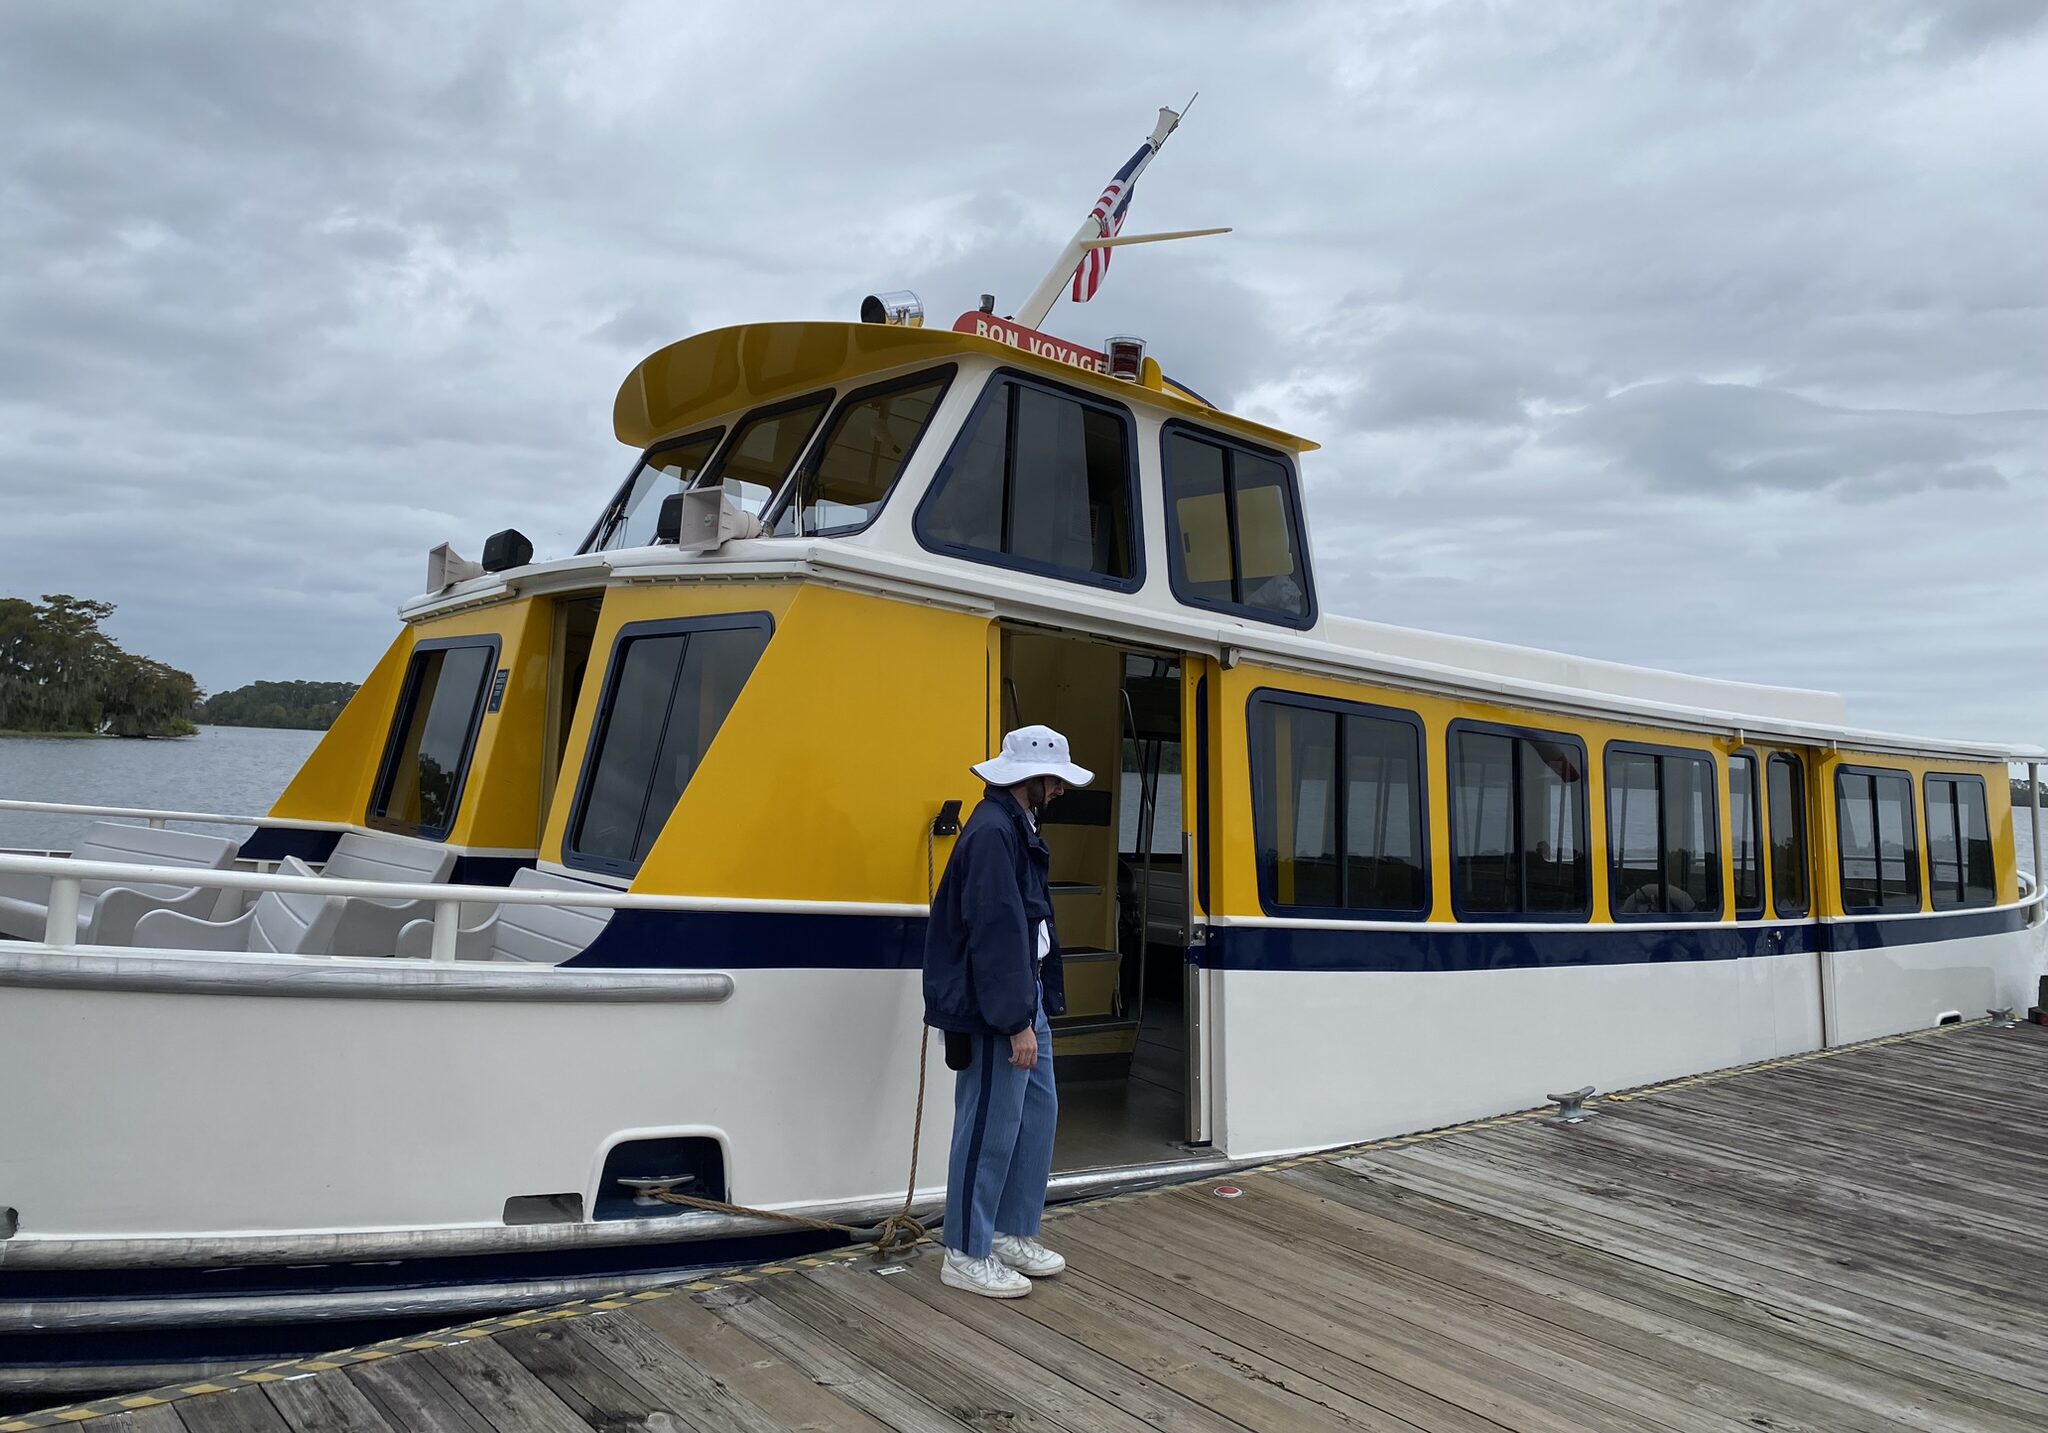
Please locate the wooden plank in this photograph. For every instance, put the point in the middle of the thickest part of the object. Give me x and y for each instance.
(510, 1399)
(1032, 1357)
(1078, 1323)
(673, 1381)
(1867, 1361)
(946, 1363)
(881, 1397)
(241, 1410)
(1352, 1339)
(1798, 1381)
(409, 1393)
(329, 1403)
(142, 1420)
(1526, 1202)
(589, 1388)
(1575, 1374)
(751, 1369)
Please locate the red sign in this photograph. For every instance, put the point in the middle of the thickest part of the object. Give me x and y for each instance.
(1044, 345)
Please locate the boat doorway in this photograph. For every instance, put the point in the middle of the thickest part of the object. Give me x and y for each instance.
(1120, 893)
(575, 632)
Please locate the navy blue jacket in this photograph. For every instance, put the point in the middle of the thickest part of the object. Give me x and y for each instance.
(981, 948)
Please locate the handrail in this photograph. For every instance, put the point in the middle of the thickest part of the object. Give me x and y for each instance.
(156, 817)
(61, 926)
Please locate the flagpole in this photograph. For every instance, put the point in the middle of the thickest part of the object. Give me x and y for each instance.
(1035, 308)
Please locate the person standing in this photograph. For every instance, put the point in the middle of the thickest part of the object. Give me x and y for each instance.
(991, 978)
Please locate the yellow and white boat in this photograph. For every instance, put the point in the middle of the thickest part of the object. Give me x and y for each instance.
(640, 920)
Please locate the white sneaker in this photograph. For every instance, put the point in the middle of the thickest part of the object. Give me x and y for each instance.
(1028, 1256)
(986, 1277)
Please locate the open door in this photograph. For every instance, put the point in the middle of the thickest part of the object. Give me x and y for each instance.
(1198, 687)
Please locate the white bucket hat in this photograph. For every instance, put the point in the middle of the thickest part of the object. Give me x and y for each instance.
(1033, 751)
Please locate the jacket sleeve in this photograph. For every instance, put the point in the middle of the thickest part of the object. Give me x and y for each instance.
(998, 948)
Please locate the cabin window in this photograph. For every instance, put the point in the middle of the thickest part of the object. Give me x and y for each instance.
(1880, 849)
(1744, 840)
(1337, 797)
(850, 473)
(1959, 866)
(1787, 795)
(1663, 833)
(1042, 479)
(1518, 824)
(630, 520)
(433, 732)
(764, 447)
(1234, 530)
(668, 691)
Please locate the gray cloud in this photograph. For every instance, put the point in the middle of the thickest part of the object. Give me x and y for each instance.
(1642, 331)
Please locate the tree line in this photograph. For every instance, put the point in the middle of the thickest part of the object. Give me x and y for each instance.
(305, 706)
(60, 673)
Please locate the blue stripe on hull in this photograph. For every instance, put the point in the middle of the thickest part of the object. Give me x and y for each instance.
(747, 940)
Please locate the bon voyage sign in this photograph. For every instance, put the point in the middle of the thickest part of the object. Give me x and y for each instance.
(1044, 345)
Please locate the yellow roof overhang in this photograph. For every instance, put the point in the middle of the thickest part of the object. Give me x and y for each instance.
(689, 383)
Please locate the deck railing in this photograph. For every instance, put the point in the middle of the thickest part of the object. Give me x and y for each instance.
(158, 818)
(61, 924)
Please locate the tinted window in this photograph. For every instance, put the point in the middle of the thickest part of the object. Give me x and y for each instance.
(861, 456)
(1788, 836)
(1234, 530)
(669, 689)
(1745, 845)
(629, 522)
(432, 733)
(1663, 836)
(1041, 479)
(1518, 824)
(1959, 867)
(763, 449)
(1338, 808)
(1880, 854)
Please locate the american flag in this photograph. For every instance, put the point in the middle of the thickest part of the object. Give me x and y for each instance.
(1109, 220)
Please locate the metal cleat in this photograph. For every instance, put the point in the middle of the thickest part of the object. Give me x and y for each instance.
(1571, 1108)
(2001, 1018)
(648, 1191)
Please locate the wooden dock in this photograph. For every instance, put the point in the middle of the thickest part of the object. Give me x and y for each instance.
(1855, 1240)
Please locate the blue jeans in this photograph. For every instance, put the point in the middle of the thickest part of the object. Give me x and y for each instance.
(1003, 1121)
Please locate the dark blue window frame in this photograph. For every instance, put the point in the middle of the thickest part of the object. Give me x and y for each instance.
(1915, 854)
(1781, 904)
(996, 389)
(401, 719)
(1757, 796)
(1663, 753)
(943, 375)
(1297, 529)
(1256, 706)
(615, 510)
(600, 724)
(1520, 733)
(1958, 897)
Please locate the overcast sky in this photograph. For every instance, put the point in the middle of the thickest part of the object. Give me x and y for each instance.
(1710, 336)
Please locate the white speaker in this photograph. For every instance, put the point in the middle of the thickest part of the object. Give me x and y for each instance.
(445, 568)
(709, 520)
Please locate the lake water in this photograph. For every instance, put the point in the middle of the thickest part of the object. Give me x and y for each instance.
(235, 770)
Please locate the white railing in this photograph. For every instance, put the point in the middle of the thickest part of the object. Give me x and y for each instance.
(156, 818)
(61, 924)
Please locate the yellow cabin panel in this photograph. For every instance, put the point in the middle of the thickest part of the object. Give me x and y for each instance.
(861, 719)
(334, 784)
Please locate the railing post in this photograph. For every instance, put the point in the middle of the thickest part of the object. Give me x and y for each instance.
(446, 913)
(60, 923)
(156, 823)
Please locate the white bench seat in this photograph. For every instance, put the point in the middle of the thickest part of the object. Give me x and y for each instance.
(539, 935)
(370, 926)
(280, 923)
(108, 910)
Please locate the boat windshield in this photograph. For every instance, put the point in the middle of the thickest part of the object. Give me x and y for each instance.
(842, 485)
(629, 521)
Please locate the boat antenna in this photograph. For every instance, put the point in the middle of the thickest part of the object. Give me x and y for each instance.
(1094, 232)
